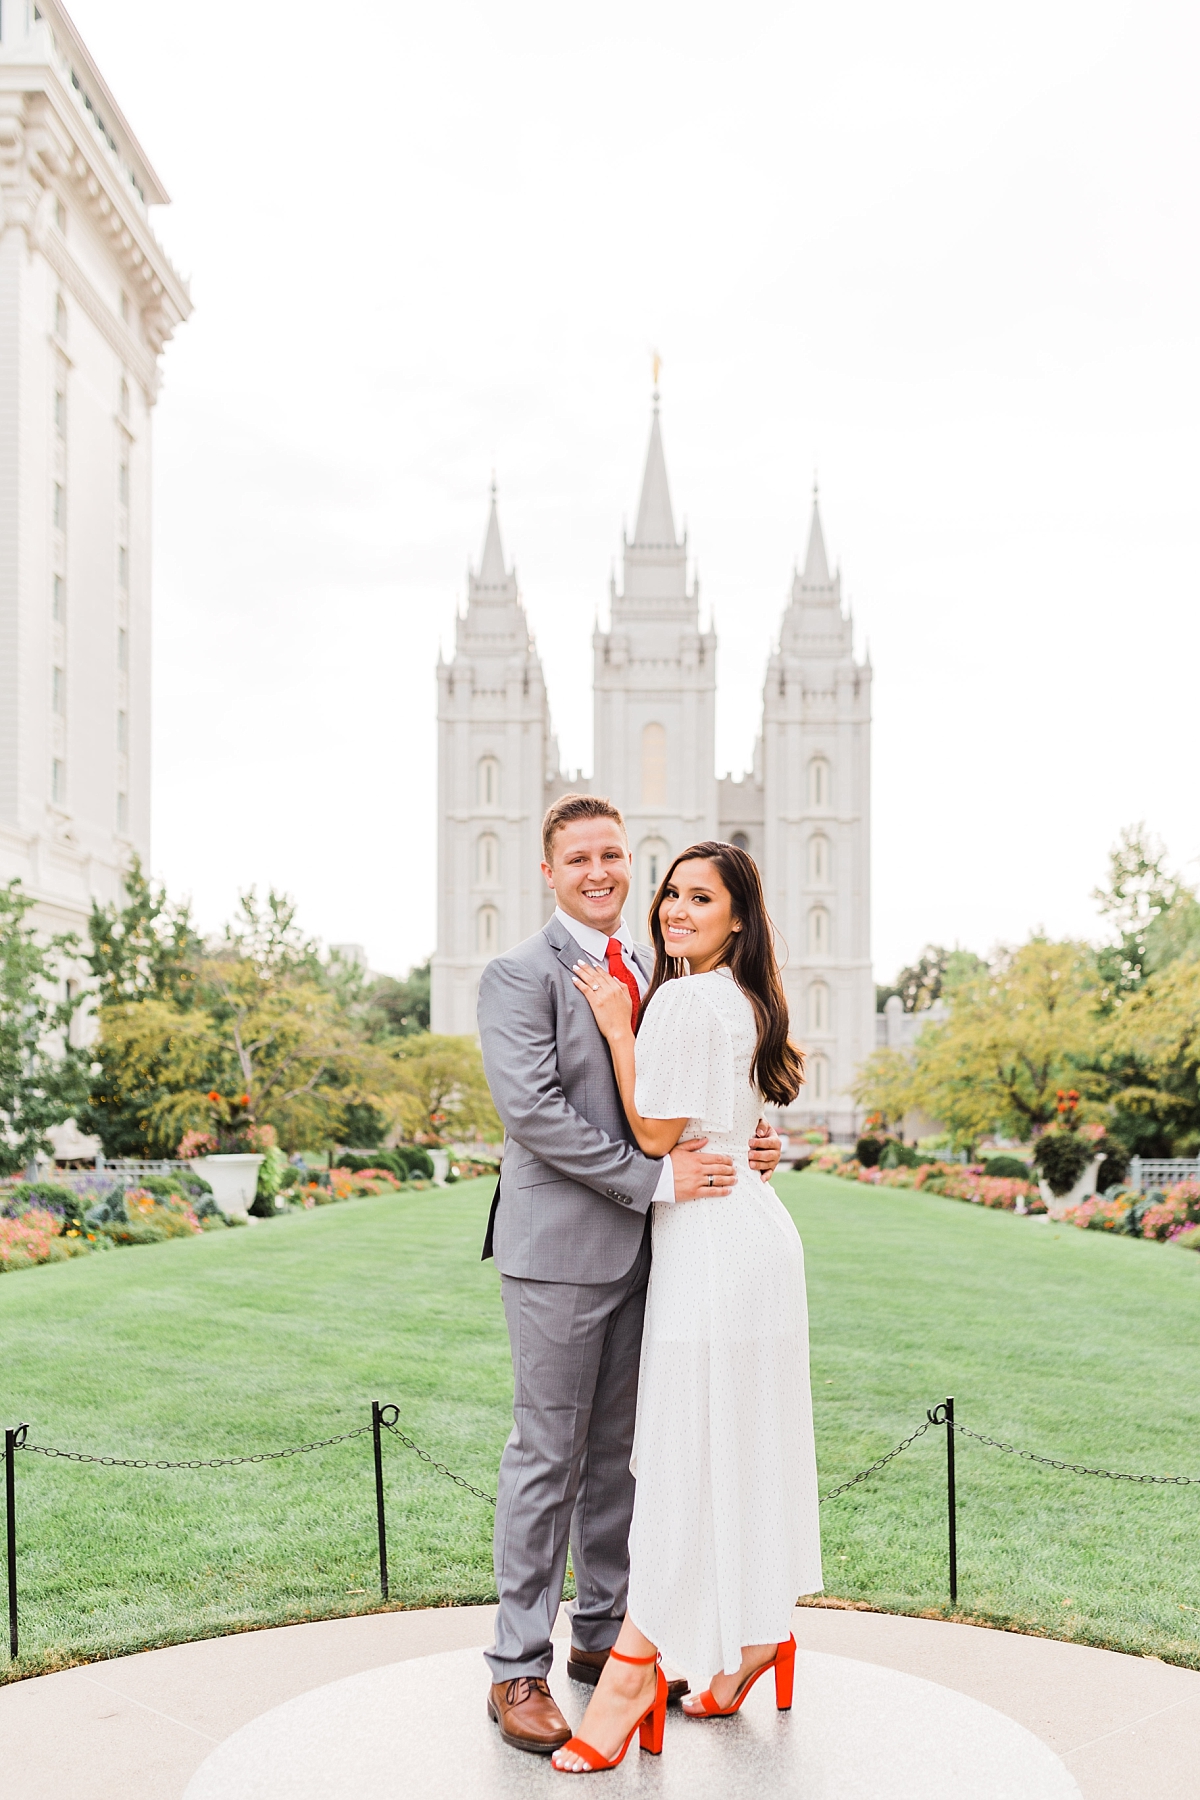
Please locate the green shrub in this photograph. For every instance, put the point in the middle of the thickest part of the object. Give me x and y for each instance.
(868, 1151)
(164, 1187)
(394, 1161)
(1061, 1157)
(403, 1160)
(1115, 1167)
(416, 1161)
(901, 1156)
(49, 1196)
(1006, 1168)
(271, 1171)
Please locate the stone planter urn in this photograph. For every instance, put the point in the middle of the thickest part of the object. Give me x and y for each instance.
(1057, 1204)
(233, 1180)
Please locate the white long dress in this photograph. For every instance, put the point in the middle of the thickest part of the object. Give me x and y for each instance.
(725, 1533)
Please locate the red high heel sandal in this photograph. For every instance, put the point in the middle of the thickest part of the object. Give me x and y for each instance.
(784, 1664)
(650, 1726)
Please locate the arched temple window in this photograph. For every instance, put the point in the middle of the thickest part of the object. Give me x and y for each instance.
(487, 931)
(487, 860)
(818, 932)
(818, 1007)
(818, 1078)
(489, 781)
(818, 782)
(818, 860)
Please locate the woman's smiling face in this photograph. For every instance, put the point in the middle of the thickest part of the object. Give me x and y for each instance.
(696, 915)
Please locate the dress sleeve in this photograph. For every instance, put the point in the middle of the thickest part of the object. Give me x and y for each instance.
(685, 1059)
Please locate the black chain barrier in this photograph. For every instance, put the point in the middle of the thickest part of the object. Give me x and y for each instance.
(205, 1462)
(458, 1480)
(385, 1417)
(1053, 1462)
(879, 1464)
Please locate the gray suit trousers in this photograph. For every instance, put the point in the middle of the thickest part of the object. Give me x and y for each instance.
(564, 1474)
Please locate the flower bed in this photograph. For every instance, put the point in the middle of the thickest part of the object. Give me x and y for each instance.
(955, 1181)
(351, 1184)
(1172, 1217)
(36, 1237)
(78, 1212)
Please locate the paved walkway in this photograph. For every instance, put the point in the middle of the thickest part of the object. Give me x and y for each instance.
(1039, 1717)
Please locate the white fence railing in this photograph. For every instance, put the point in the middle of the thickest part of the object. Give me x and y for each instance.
(1146, 1172)
(132, 1165)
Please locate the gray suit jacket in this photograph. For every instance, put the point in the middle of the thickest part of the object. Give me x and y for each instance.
(575, 1189)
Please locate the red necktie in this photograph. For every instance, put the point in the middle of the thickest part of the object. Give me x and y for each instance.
(620, 970)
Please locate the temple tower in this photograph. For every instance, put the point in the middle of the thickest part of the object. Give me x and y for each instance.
(655, 692)
(497, 773)
(815, 762)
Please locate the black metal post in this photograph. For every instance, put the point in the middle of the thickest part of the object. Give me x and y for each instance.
(951, 1502)
(379, 1513)
(12, 1438)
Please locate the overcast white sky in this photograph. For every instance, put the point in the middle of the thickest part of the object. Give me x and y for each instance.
(945, 255)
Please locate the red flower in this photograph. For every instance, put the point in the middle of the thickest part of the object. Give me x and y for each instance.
(214, 1096)
(245, 1100)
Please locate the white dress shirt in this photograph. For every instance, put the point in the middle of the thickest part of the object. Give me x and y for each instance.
(595, 945)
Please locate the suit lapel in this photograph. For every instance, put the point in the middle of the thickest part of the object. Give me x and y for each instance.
(564, 946)
(568, 951)
(643, 956)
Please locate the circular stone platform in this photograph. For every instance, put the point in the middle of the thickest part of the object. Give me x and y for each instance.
(418, 1729)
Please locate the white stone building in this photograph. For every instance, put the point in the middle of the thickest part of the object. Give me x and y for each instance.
(87, 301)
(803, 810)
(497, 773)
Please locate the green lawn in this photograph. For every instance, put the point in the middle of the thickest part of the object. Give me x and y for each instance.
(1066, 1342)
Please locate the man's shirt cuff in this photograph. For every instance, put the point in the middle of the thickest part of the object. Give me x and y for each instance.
(664, 1193)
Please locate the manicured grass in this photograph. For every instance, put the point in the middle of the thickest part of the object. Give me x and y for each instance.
(1070, 1343)
(250, 1340)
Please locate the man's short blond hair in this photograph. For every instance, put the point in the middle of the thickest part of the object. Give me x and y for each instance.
(569, 807)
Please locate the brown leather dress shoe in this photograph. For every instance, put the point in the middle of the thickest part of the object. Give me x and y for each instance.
(524, 1710)
(585, 1665)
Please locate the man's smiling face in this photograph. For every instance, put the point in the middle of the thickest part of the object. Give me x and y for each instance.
(589, 871)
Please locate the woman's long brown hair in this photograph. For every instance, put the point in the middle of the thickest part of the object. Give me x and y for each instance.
(778, 1067)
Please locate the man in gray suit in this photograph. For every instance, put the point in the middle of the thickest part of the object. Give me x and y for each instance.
(570, 1234)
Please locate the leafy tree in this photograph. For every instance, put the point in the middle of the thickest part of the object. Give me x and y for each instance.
(937, 972)
(148, 945)
(1155, 1039)
(1155, 914)
(441, 1090)
(362, 1124)
(145, 948)
(402, 1006)
(1016, 1034)
(1144, 1057)
(885, 1084)
(42, 1076)
(253, 1033)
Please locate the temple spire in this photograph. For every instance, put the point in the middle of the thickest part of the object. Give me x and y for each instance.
(655, 521)
(816, 563)
(492, 573)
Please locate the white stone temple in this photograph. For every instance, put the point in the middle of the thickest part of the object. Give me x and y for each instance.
(88, 299)
(803, 810)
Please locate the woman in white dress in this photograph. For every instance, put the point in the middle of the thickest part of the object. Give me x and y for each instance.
(725, 1533)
